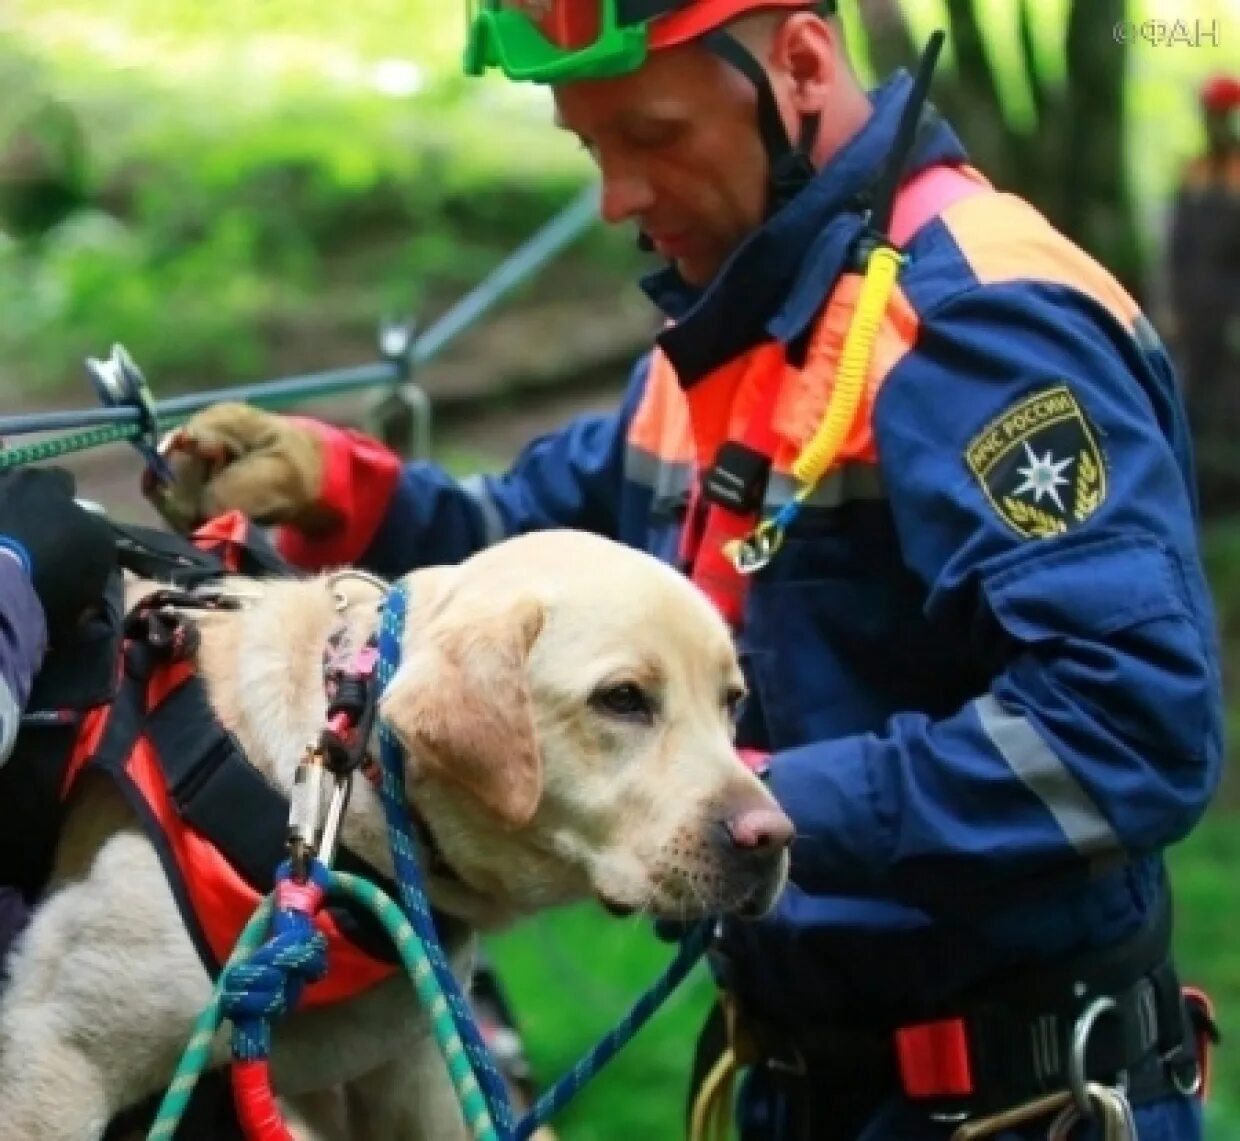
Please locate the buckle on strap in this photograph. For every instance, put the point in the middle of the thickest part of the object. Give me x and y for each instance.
(998, 1056)
(737, 479)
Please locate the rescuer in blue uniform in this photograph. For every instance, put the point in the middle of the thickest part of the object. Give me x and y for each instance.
(957, 543)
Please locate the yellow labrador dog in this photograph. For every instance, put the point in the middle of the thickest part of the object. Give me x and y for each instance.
(565, 704)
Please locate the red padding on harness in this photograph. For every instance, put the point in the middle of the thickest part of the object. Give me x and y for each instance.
(260, 1116)
(934, 1059)
(223, 535)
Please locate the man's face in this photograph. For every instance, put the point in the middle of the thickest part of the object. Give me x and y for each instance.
(679, 152)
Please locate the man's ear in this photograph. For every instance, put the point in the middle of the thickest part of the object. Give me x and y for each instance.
(461, 705)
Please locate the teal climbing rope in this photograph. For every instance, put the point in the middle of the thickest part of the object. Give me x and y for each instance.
(414, 957)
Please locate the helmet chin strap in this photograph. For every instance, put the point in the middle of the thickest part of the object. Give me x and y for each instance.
(790, 167)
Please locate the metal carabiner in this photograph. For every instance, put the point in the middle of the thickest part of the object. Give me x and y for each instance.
(311, 832)
(1081, 1030)
(1108, 1107)
(305, 807)
(342, 789)
(754, 552)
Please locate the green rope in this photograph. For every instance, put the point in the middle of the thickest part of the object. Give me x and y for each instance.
(413, 955)
(197, 1054)
(65, 445)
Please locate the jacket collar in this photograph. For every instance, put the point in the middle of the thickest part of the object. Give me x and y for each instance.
(774, 283)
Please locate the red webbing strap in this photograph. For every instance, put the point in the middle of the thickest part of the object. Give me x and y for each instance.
(706, 533)
(934, 1059)
(257, 1109)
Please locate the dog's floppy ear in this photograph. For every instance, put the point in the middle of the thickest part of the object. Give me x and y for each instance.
(461, 705)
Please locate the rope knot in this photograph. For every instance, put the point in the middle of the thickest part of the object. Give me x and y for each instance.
(271, 981)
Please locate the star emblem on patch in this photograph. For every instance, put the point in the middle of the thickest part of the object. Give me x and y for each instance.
(1040, 464)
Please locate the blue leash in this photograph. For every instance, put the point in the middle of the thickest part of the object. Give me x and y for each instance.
(692, 947)
(270, 982)
(414, 901)
(409, 876)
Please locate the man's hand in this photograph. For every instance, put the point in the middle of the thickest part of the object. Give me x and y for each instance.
(69, 552)
(236, 457)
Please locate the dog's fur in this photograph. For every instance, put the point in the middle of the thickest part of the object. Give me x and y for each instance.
(539, 781)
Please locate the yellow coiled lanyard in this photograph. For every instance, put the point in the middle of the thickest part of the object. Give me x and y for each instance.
(752, 552)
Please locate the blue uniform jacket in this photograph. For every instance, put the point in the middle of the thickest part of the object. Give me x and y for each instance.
(986, 663)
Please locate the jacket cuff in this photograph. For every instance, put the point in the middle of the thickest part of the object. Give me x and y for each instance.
(359, 477)
(842, 836)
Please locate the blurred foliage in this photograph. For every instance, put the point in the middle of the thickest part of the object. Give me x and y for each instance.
(1053, 107)
(244, 188)
(244, 209)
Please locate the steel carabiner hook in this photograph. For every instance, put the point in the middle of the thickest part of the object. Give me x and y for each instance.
(119, 383)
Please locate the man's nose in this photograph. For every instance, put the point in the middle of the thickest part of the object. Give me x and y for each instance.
(625, 195)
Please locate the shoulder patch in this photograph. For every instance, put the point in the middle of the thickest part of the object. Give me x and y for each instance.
(1040, 465)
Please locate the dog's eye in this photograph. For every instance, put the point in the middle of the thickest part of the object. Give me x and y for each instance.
(626, 700)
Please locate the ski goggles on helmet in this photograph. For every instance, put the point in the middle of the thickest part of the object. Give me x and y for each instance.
(558, 41)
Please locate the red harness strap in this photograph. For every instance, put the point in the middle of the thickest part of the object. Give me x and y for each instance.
(707, 532)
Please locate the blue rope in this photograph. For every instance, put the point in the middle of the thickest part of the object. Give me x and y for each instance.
(559, 1095)
(417, 909)
(270, 982)
(409, 876)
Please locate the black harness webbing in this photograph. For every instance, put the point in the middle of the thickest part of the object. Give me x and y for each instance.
(218, 793)
(167, 557)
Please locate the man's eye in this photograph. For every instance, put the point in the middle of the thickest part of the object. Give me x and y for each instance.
(626, 701)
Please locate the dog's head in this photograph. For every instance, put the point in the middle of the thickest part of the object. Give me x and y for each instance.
(567, 707)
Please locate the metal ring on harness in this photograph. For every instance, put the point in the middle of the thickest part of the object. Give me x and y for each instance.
(751, 554)
(353, 574)
(1081, 1031)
